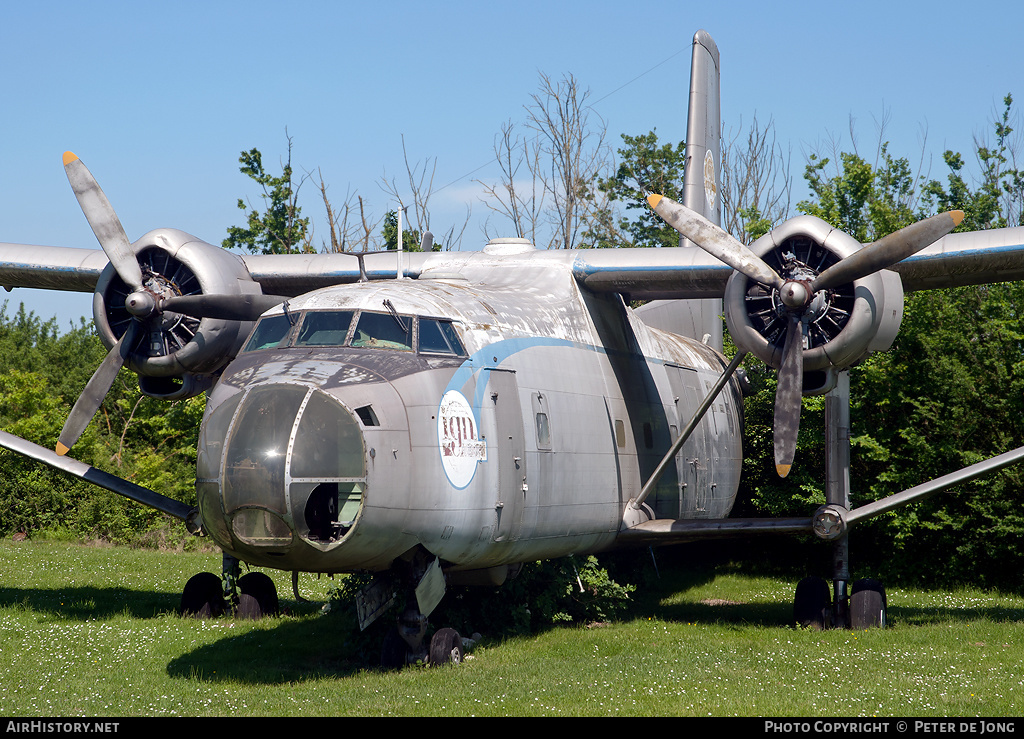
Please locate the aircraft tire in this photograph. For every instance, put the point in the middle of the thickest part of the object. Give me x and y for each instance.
(812, 604)
(868, 605)
(445, 647)
(203, 596)
(257, 596)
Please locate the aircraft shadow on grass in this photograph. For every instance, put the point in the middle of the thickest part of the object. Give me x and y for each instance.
(292, 651)
(90, 603)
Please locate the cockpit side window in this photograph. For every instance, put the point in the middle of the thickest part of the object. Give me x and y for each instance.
(324, 328)
(383, 331)
(270, 333)
(439, 337)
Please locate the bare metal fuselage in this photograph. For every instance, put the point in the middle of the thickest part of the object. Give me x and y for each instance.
(527, 446)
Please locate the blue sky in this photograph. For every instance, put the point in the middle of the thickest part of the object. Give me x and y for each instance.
(158, 99)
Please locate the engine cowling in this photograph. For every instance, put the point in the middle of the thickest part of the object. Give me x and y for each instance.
(175, 356)
(841, 326)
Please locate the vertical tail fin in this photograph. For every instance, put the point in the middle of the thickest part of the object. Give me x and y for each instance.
(704, 131)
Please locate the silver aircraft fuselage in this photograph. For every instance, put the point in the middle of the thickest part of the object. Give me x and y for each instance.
(347, 432)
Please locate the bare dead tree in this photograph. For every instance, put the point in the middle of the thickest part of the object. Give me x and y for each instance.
(575, 152)
(367, 227)
(344, 233)
(755, 181)
(518, 196)
(549, 177)
(421, 187)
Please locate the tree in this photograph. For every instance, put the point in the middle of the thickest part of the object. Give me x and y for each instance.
(755, 189)
(42, 373)
(564, 158)
(948, 394)
(279, 228)
(346, 234)
(644, 167)
(411, 238)
(863, 200)
(998, 198)
(576, 153)
(755, 182)
(421, 188)
(518, 198)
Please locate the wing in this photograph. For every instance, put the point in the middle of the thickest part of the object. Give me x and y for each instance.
(972, 258)
(50, 267)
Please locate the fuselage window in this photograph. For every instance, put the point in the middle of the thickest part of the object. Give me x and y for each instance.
(383, 331)
(271, 332)
(324, 328)
(620, 434)
(543, 433)
(439, 337)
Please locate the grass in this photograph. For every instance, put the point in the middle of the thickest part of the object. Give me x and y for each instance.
(91, 631)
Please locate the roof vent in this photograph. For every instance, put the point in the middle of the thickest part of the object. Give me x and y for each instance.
(508, 245)
(438, 274)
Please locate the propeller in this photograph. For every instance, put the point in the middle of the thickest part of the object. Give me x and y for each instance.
(96, 390)
(103, 221)
(223, 307)
(714, 240)
(797, 295)
(143, 303)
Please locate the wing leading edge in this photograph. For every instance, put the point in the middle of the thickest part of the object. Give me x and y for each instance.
(959, 259)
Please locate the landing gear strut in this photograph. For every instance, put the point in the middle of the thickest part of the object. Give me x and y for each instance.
(865, 605)
(404, 643)
(420, 575)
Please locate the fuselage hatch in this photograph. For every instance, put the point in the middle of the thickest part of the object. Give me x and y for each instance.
(492, 418)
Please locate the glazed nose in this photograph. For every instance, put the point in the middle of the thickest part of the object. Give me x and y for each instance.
(266, 449)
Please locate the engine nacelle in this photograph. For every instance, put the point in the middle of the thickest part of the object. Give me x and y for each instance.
(842, 325)
(176, 356)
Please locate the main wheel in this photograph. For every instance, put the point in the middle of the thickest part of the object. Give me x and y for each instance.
(812, 604)
(867, 605)
(257, 596)
(203, 596)
(445, 647)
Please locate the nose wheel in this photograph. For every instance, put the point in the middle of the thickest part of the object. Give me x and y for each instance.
(251, 596)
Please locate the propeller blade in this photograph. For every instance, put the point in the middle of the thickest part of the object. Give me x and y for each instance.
(103, 220)
(224, 307)
(96, 390)
(888, 250)
(715, 241)
(787, 396)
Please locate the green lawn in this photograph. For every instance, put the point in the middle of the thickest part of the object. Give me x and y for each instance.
(91, 631)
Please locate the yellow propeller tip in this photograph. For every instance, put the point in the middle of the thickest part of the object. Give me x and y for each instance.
(61, 449)
(69, 156)
(654, 200)
(783, 469)
(958, 215)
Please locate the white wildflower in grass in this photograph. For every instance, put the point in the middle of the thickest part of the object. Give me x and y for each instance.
(86, 631)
